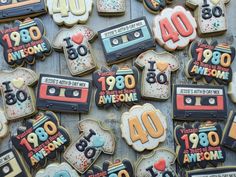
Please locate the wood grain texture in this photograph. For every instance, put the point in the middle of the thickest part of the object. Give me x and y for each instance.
(56, 64)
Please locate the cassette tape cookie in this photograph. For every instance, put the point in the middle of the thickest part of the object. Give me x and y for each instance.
(63, 94)
(126, 40)
(197, 102)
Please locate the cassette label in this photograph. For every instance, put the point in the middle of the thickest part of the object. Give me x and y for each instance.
(10, 165)
(126, 40)
(64, 94)
(199, 102)
(20, 9)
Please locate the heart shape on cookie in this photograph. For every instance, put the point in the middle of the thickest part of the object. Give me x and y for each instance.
(18, 83)
(162, 66)
(160, 165)
(98, 141)
(215, 2)
(78, 38)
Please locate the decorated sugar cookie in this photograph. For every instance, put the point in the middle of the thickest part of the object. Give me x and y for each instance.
(11, 165)
(3, 125)
(63, 94)
(40, 139)
(116, 86)
(70, 12)
(29, 8)
(24, 42)
(174, 28)
(232, 88)
(93, 140)
(75, 43)
(199, 144)
(57, 170)
(155, 6)
(199, 102)
(210, 172)
(211, 62)
(229, 135)
(17, 93)
(111, 7)
(143, 127)
(156, 76)
(158, 163)
(210, 15)
(118, 168)
(126, 40)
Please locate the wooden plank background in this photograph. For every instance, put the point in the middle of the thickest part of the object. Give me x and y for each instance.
(56, 64)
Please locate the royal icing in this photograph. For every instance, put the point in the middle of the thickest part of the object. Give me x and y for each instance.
(116, 86)
(210, 15)
(17, 94)
(28, 8)
(94, 140)
(174, 28)
(41, 139)
(158, 163)
(70, 12)
(63, 94)
(11, 165)
(75, 43)
(155, 6)
(118, 168)
(229, 136)
(24, 42)
(199, 144)
(211, 62)
(156, 76)
(57, 170)
(126, 40)
(3, 125)
(143, 127)
(111, 7)
(199, 102)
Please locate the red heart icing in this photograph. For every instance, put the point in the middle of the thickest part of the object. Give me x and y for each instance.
(160, 165)
(78, 38)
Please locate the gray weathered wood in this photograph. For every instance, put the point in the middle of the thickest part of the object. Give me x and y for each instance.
(56, 64)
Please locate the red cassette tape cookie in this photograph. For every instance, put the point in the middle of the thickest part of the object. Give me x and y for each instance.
(211, 16)
(63, 94)
(75, 43)
(174, 28)
(24, 42)
(17, 94)
(199, 102)
(199, 144)
(93, 140)
(40, 139)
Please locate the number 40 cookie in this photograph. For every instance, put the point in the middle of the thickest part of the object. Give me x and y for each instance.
(174, 28)
(143, 127)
